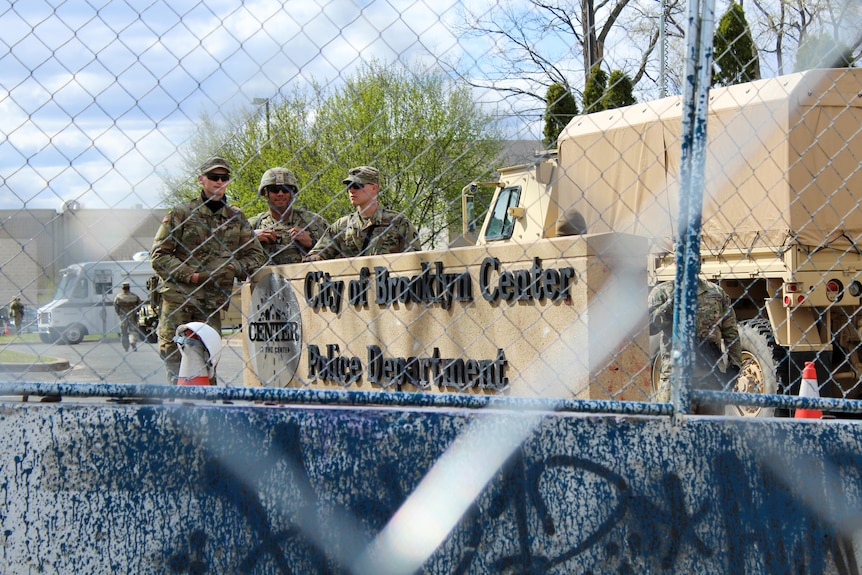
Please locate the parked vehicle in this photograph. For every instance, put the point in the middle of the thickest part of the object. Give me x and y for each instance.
(84, 301)
(781, 220)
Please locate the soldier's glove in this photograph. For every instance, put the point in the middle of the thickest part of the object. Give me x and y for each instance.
(224, 276)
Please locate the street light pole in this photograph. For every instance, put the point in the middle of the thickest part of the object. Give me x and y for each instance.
(263, 102)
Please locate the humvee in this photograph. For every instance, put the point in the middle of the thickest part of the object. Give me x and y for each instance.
(780, 235)
(781, 216)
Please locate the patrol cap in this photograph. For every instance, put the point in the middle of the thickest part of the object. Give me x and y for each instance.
(277, 177)
(213, 163)
(362, 175)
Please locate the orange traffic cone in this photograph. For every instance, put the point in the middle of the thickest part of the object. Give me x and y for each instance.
(809, 388)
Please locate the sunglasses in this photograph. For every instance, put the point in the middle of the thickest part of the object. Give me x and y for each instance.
(281, 190)
(217, 177)
(355, 186)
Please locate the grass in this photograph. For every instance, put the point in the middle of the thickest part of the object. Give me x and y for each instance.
(11, 356)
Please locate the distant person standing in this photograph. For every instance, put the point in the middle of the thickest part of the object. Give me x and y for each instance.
(16, 310)
(371, 230)
(286, 230)
(127, 304)
(200, 248)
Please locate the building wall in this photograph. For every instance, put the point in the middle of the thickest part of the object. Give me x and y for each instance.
(27, 254)
(36, 244)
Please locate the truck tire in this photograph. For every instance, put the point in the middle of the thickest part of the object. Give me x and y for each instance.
(50, 337)
(74, 334)
(150, 330)
(761, 357)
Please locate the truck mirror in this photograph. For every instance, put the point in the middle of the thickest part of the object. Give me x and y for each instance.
(468, 203)
(516, 212)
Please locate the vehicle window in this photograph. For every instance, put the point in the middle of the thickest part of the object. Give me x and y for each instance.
(81, 290)
(67, 279)
(501, 224)
(102, 281)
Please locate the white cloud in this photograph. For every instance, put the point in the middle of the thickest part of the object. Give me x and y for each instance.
(101, 97)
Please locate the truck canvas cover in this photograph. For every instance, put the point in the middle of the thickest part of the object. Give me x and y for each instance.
(782, 165)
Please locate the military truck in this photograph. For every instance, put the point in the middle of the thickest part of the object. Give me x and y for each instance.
(781, 222)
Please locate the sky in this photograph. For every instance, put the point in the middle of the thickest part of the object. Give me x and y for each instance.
(99, 96)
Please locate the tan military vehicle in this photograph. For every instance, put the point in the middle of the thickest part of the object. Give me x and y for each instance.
(781, 215)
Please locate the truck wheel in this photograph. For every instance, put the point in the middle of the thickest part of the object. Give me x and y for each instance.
(152, 336)
(74, 334)
(49, 337)
(760, 359)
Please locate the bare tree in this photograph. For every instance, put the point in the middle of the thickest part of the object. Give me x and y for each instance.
(781, 26)
(533, 44)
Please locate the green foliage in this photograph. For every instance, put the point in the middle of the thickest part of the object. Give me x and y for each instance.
(735, 54)
(595, 90)
(822, 51)
(561, 108)
(425, 135)
(620, 91)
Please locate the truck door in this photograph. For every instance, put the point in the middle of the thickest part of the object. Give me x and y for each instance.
(80, 289)
(501, 223)
(103, 282)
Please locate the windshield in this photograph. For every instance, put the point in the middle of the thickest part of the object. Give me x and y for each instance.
(501, 224)
(69, 287)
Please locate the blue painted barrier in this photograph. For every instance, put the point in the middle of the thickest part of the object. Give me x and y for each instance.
(195, 486)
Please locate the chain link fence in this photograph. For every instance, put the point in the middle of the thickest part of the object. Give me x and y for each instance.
(533, 279)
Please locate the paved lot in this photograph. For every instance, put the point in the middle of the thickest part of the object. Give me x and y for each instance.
(104, 361)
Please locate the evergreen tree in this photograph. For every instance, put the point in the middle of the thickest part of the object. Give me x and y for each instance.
(735, 54)
(561, 108)
(594, 90)
(620, 91)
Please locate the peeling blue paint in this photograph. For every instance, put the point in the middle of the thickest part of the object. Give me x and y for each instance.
(305, 489)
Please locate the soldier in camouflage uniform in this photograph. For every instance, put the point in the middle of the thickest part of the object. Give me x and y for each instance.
(16, 310)
(286, 231)
(126, 305)
(200, 248)
(371, 230)
(715, 325)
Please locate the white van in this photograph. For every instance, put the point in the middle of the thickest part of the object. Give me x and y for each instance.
(84, 301)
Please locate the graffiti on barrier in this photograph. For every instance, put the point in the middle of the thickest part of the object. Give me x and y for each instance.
(564, 509)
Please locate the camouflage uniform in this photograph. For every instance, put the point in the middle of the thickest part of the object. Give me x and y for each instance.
(16, 310)
(384, 232)
(126, 305)
(388, 232)
(715, 325)
(285, 250)
(219, 246)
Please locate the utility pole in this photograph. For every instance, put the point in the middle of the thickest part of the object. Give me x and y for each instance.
(263, 102)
